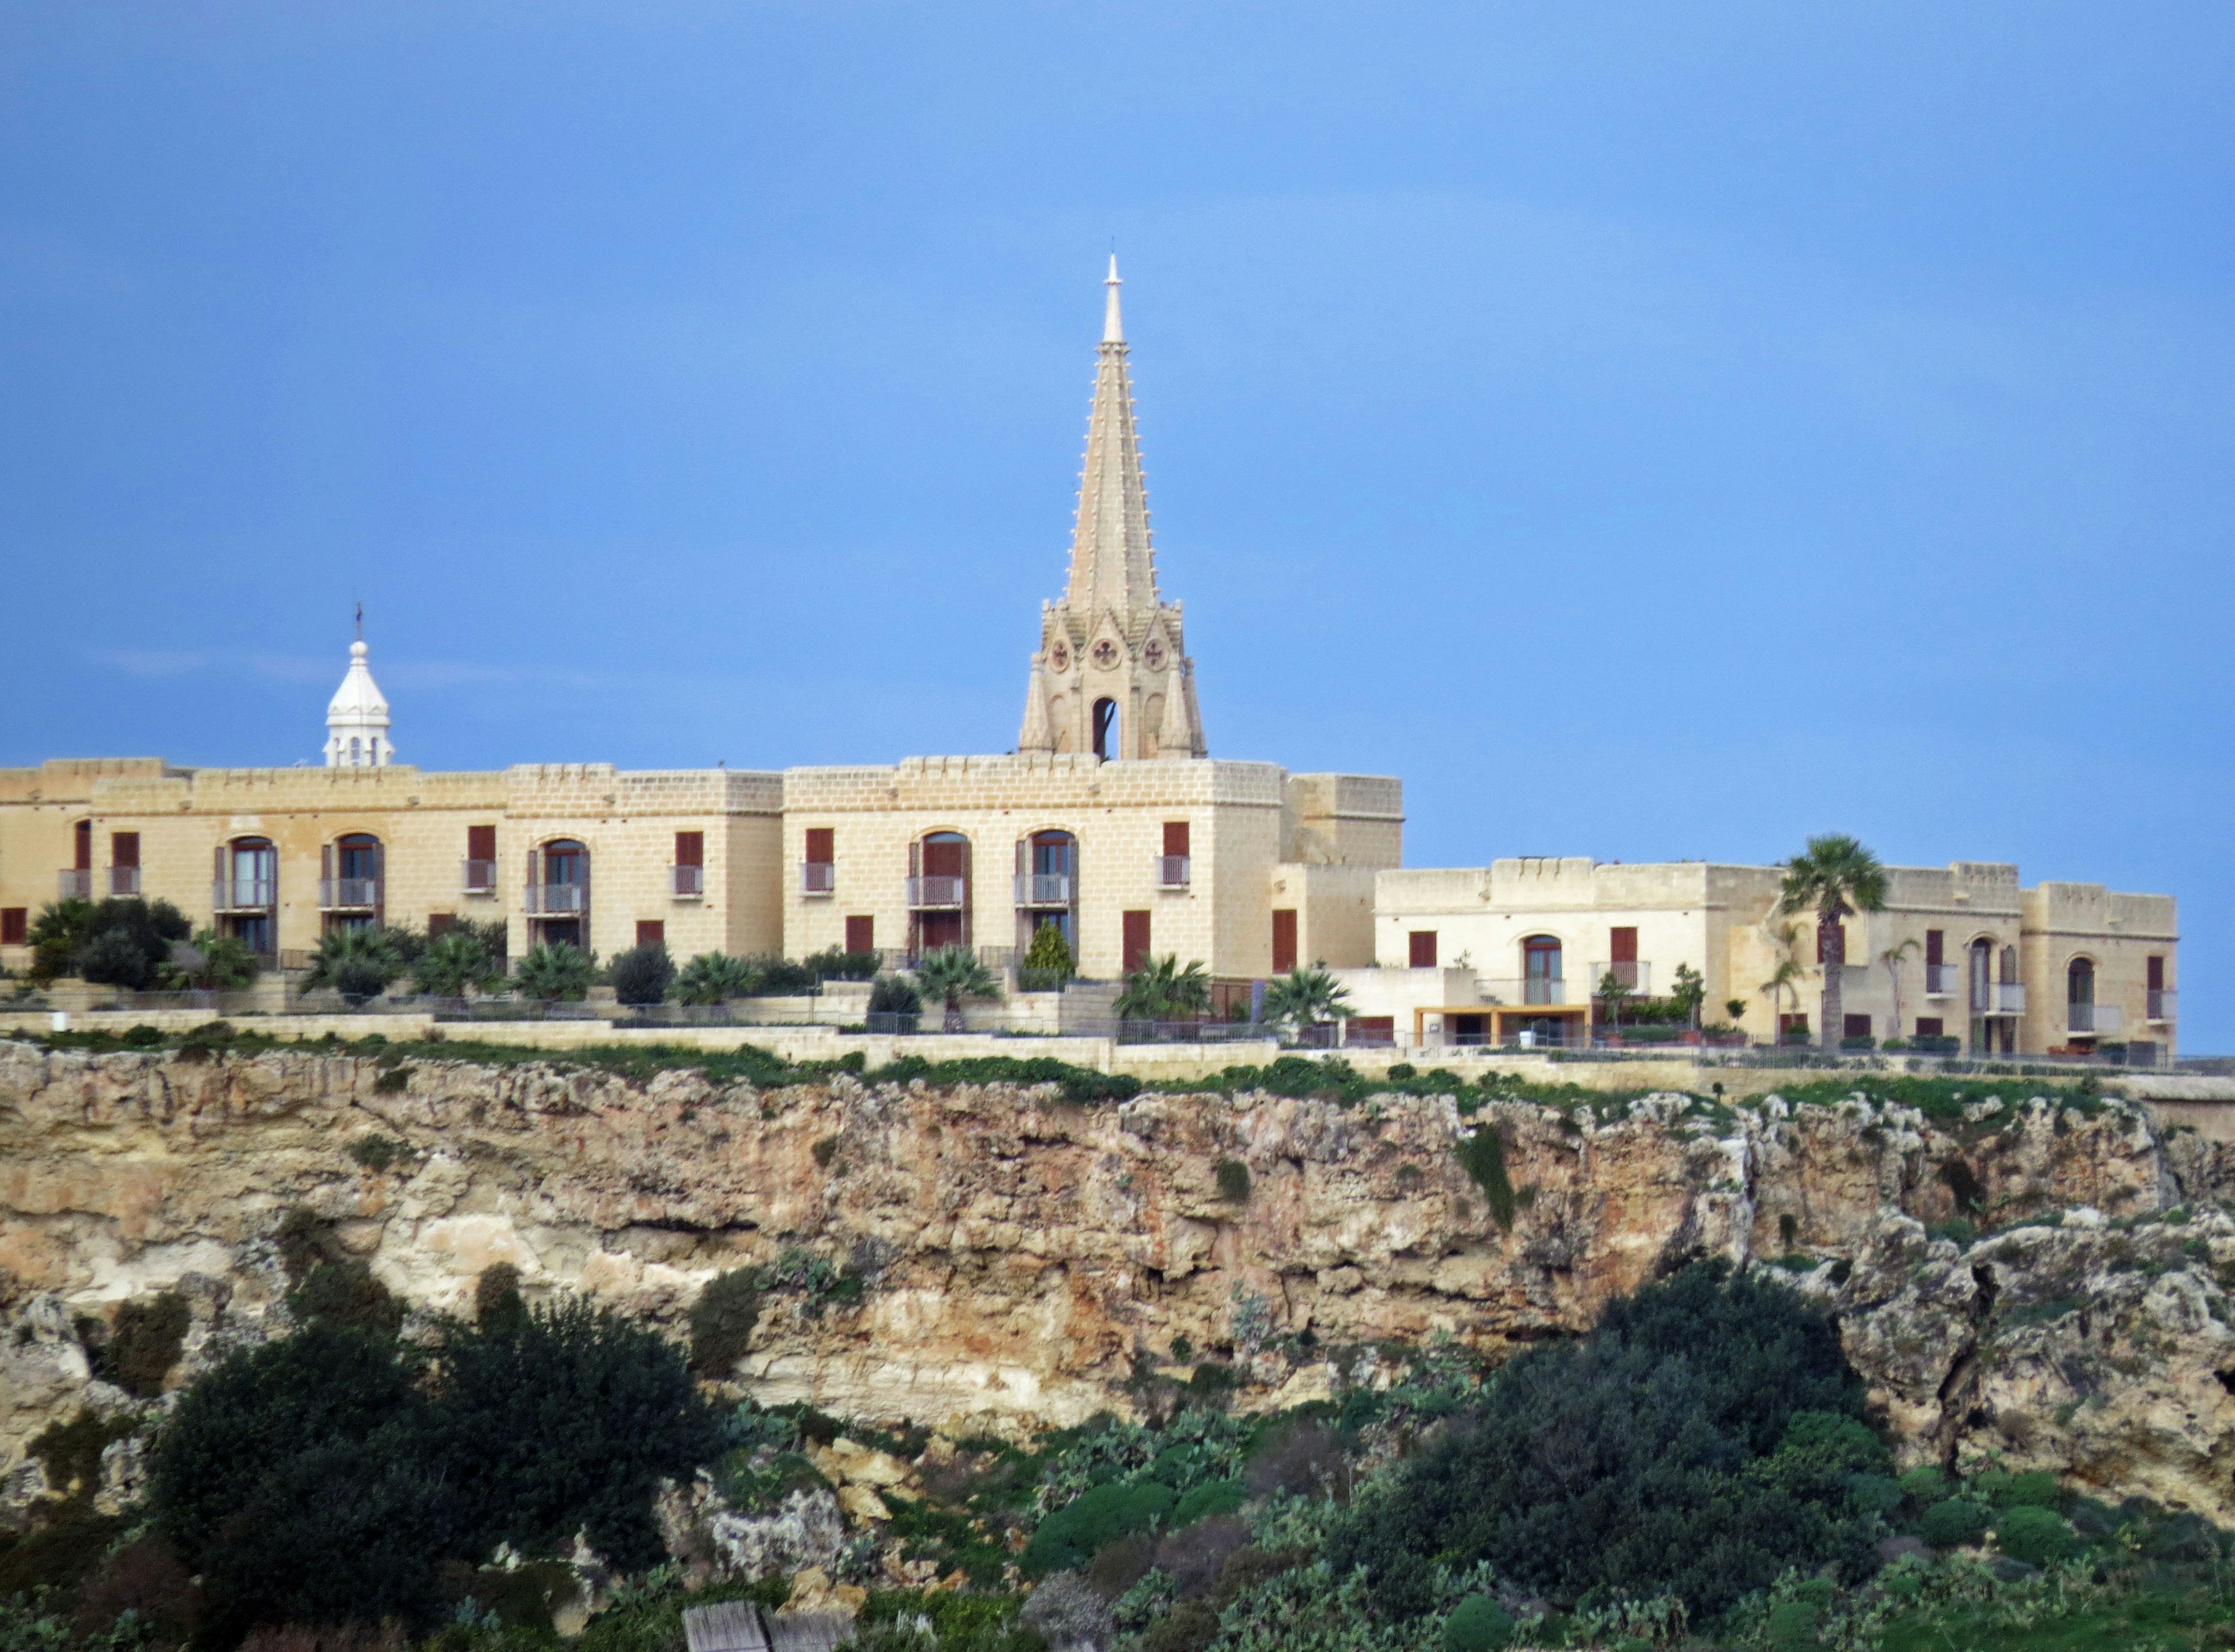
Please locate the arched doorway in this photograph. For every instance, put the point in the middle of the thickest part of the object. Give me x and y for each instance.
(938, 892)
(349, 881)
(2080, 1014)
(247, 894)
(559, 893)
(1542, 971)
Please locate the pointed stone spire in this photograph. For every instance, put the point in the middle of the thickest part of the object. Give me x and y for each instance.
(356, 717)
(1111, 637)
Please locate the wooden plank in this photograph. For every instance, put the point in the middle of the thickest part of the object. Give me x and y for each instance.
(809, 1631)
(727, 1626)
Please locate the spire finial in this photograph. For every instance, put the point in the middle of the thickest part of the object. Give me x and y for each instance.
(1113, 330)
(360, 622)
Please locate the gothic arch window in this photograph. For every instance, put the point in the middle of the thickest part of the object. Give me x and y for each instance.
(1541, 969)
(1105, 728)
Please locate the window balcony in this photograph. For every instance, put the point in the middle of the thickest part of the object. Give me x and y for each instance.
(2093, 1019)
(558, 900)
(349, 895)
(1630, 975)
(77, 885)
(1042, 889)
(245, 894)
(818, 877)
(938, 894)
(1174, 871)
(1942, 980)
(687, 882)
(2160, 1004)
(1998, 998)
(1535, 989)
(124, 880)
(477, 877)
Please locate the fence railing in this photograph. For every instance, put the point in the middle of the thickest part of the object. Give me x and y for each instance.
(76, 883)
(1174, 871)
(1998, 998)
(558, 900)
(688, 883)
(348, 894)
(124, 880)
(2094, 1017)
(2161, 1004)
(1628, 973)
(817, 877)
(1042, 889)
(1533, 989)
(1942, 980)
(937, 894)
(242, 892)
(477, 877)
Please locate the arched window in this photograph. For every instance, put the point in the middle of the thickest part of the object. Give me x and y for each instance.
(2080, 981)
(559, 892)
(1047, 885)
(1105, 728)
(938, 892)
(248, 891)
(357, 756)
(1541, 970)
(1983, 973)
(351, 883)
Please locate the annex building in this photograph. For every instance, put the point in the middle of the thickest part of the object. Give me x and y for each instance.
(1111, 820)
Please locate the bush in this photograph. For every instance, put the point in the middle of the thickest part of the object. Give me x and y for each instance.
(713, 978)
(642, 975)
(722, 1321)
(358, 964)
(1483, 1153)
(144, 1344)
(835, 963)
(453, 964)
(2036, 1536)
(1954, 1523)
(895, 995)
(1233, 1180)
(555, 970)
(1695, 1444)
(1050, 954)
(497, 1301)
(2038, 1490)
(1478, 1625)
(123, 942)
(1212, 1497)
(1066, 1540)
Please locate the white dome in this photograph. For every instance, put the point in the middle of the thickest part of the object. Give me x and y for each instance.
(356, 718)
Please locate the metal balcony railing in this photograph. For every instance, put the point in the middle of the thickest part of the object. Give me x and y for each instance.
(124, 880)
(348, 894)
(1042, 889)
(558, 900)
(1940, 980)
(1633, 976)
(937, 894)
(77, 885)
(245, 893)
(1998, 998)
(2160, 1004)
(817, 877)
(1174, 871)
(1535, 989)
(2094, 1017)
(477, 877)
(688, 883)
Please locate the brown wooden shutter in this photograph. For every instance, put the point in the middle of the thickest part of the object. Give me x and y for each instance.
(651, 932)
(15, 926)
(1928, 1026)
(1284, 940)
(1136, 936)
(82, 846)
(1422, 944)
(124, 848)
(1857, 1026)
(944, 860)
(690, 848)
(2156, 981)
(1622, 945)
(822, 845)
(481, 843)
(441, 923)
(1935, 946)
(861, 934)
(1176, 837)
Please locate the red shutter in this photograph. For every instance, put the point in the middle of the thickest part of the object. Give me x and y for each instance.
(651, 932)
(15, 925)
(943, 860)
(861, 934)
(1858, 1026)
(2156, 982)
(81, 845)
(124, 848)
(1935, 946)
(1621, 946)
(1284, 940)
(1928, 1026)
(1423, 946)
(1137, 940)
(822, 847)
(481, 843)
(441, 923)
(1176, 837)
(690, 848)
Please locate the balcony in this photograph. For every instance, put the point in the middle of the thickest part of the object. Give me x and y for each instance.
(1174, 871)
(1533, 990)
(1998, 998)
(558, 900)
(1942, 980)
(687, 882)
(349, 895)
(2160, 1004)
(124, 880)
(1042, 889)
(77, 885)
(938, 894)
(818, 877)
(1630, 975)
(2093, 1020)
(477, 877)
(245, 893)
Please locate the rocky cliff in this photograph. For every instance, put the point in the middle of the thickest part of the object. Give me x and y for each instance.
(1000, 1257)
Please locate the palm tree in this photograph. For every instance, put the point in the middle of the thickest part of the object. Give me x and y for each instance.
(712, 978)
(1892, 958)
(1776, 987)
(1834, 877)
(453, 964)
(359, 963)
(954, 973)
(1162, 991)
(1305, 998)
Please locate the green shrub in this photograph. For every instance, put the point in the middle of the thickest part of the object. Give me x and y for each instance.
(1672, 1451)
(895, 995)
(1478, 1625)
(1050, 954)
(722, 1321)
(144, 1343)
(835, 963)
(2037, 1536)
(555, 970)
(713, 978)
(377, 1152)
(1209, 1498)
(358, 964)
(1066, 1540)
(1954, 1523)
(642, 975)
(452, 964)
(497, 1300)
(122, 942)
(143, 1037)
(2035, 1489)
(1482, 1155)
(1233, 1180)
(1924, 1486)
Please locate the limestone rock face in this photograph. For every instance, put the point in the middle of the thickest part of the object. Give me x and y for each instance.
(1016, 1252)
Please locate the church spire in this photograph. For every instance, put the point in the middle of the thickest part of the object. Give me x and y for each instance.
(356, 717)
(1111, 676)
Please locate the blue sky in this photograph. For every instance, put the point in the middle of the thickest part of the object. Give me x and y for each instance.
(1653, 432)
